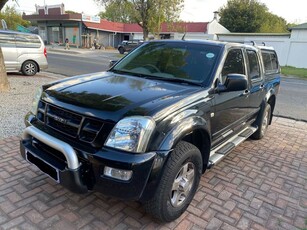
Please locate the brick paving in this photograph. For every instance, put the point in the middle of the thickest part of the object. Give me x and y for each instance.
(260, 185)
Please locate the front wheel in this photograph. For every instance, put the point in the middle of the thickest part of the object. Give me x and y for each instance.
(178, 184)
(29, 68)
(263, 123)
(121, 50)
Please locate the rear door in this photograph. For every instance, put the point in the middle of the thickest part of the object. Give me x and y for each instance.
(257, 92)
(7, 43)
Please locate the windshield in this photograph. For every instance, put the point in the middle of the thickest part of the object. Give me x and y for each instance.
(182, 61)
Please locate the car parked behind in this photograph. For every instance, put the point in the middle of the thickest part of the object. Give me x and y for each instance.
(23, 52)
(127, 46)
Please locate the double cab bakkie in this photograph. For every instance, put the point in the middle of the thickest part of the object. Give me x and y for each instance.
(150, 126)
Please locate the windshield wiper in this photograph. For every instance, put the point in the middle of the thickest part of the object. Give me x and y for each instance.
(129, 73)
(179, 80)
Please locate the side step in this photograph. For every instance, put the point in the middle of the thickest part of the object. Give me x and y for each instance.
(221, 151)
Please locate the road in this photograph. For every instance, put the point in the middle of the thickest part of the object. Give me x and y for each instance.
(291, 101)
(76, 64)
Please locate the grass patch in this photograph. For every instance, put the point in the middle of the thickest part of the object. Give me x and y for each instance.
(298, 72)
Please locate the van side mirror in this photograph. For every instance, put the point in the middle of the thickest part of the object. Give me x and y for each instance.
(112, 62)
(233, 82)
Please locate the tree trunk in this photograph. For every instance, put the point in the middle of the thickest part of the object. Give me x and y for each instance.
(4, 83)
(145, 34)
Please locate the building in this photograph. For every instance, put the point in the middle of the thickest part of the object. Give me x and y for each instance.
(55, 25)
(290, 47)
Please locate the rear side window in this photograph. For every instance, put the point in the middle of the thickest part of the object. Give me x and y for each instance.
(27, 41)
(253, 63)
(270, 62)
(7, 40)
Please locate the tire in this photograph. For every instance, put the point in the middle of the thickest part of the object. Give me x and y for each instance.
(121, 50)
(178, 183)
(263, 123)
(29, 68)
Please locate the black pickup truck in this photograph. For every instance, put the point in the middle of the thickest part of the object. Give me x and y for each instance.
(150, 126)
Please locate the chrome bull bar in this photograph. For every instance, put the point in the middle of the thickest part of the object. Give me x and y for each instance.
(61, 146)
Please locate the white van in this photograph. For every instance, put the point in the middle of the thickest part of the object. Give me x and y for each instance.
(23, 52)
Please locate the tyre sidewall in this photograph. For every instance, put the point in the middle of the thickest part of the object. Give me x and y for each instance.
(170, 211)
(25, 72)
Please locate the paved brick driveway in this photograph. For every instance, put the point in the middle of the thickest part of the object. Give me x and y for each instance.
(260, 185)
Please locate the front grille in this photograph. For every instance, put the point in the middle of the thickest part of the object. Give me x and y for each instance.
(73, 125)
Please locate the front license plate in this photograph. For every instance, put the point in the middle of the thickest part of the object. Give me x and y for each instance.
(44, 166)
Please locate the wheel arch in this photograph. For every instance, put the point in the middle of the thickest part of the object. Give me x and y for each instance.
(193, 130)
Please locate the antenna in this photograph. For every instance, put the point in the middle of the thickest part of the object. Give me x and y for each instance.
(183, 36)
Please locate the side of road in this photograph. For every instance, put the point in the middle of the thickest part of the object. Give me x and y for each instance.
(73, 50)
(15, 104)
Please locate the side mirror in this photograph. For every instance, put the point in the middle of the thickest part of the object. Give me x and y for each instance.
(112, 62)
(234, 82)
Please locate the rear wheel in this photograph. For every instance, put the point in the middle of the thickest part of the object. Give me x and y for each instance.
(29, 68)
(178, 184)
(121, 50)
(263, 123)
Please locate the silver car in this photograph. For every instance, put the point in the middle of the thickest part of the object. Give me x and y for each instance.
(23, 52)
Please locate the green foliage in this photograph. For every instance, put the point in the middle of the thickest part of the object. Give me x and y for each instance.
(292, 71)
(118, 11)
(149, 14)
(13, 18)
(70, 12)
(250, 16)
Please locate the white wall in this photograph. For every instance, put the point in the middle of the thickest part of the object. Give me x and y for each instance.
(291, 51)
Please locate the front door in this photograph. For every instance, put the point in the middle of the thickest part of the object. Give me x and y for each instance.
(230, 108)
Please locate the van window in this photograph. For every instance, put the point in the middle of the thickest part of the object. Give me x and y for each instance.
(27, 41)
(253, 63)
(7, 40)
(270, 62)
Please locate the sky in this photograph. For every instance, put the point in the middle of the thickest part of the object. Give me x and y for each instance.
(294, 11)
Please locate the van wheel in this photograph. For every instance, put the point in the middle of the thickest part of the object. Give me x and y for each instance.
(29, 68)
(121, 50)
(263, 123)
(178, 183)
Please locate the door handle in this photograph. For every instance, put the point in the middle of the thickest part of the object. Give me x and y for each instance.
(246, 92)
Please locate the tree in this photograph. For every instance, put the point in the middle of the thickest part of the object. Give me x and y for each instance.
(250, 16)
(4, 83)
(115, 12)
(149, 14)
(13, 18)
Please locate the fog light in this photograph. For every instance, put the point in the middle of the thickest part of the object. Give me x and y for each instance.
(117, 173)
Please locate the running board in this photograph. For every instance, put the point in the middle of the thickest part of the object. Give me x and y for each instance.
(221, 151)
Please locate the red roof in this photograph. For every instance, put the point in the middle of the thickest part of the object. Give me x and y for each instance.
(106, 25)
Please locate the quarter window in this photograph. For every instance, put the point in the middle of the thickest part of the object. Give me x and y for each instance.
(253, 63)
(270, 62)
(27, 41)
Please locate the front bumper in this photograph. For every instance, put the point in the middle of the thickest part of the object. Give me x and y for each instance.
(80, 171)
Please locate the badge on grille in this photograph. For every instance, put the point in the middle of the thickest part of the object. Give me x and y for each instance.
(60, 119)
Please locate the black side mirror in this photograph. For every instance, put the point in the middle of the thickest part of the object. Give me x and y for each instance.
(233, 82)
(112, 62)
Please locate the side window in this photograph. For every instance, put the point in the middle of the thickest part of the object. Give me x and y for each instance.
(7, 40)
(253, 63)
(270, 62)
(234, 63)
(27, 41)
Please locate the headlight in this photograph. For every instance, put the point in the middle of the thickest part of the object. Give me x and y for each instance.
(131, 134)
(36, 99)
